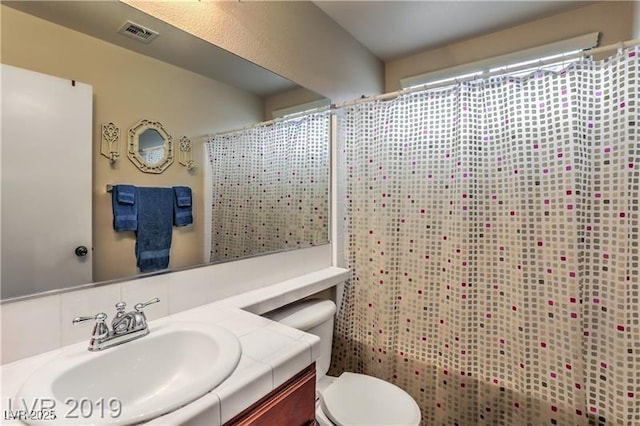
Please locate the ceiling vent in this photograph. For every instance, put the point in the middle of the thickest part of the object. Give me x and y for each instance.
(137, 32)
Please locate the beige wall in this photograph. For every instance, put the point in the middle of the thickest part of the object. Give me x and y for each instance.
(288, 99)
(294, 39)
(128, 87)
(636, 19)
(613, 19)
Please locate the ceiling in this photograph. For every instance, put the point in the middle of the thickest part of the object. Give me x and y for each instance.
(391, 29)
(101, 19)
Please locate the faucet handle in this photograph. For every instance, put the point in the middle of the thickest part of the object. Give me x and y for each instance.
(100, 329)
(100, 317)
(140, 306)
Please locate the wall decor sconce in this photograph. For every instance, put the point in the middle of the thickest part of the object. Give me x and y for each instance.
(110, 145)
(185, 157)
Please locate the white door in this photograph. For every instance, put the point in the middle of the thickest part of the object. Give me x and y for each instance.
(46, 134)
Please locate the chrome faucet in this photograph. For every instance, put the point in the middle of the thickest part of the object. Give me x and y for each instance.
(125, 326)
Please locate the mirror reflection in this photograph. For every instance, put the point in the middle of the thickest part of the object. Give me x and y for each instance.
(270, 187)
(193, 88)
(151, 147)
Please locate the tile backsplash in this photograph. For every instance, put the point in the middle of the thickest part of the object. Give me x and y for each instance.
(42, 324)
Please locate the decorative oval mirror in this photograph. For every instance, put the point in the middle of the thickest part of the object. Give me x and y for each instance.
(150, 146)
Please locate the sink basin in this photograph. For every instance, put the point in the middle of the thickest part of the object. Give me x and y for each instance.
(137, 381)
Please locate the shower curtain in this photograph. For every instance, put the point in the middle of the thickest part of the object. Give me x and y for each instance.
(492, 232)
(269, 187)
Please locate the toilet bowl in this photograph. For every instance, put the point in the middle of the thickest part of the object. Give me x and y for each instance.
(351, 399)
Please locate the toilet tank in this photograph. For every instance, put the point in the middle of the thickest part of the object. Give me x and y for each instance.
(314, 316)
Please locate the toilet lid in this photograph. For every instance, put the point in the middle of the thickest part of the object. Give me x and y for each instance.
(357, 399)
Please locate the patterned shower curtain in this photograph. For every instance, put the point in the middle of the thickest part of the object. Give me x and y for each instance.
(492, 231)
(269, 187)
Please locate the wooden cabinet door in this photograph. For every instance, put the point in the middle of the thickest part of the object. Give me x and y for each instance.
(292, 404)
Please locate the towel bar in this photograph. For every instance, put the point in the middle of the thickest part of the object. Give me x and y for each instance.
(111, 185)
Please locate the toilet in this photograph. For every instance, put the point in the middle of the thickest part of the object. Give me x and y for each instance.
(351, 399)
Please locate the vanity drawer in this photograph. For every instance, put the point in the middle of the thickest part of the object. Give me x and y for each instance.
(292, 404)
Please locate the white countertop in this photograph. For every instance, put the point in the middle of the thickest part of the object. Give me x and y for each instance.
(271, 353)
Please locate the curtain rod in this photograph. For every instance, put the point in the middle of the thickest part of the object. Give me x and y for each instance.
(391, 95)
(275, 120)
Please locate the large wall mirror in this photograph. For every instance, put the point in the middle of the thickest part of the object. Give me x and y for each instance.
(174, 87)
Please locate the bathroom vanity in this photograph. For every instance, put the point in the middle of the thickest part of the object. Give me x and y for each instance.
(292, 403)
(275, 376)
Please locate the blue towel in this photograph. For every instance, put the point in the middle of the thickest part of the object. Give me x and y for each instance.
(182, 214)
(155, 226)
(125, 208)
